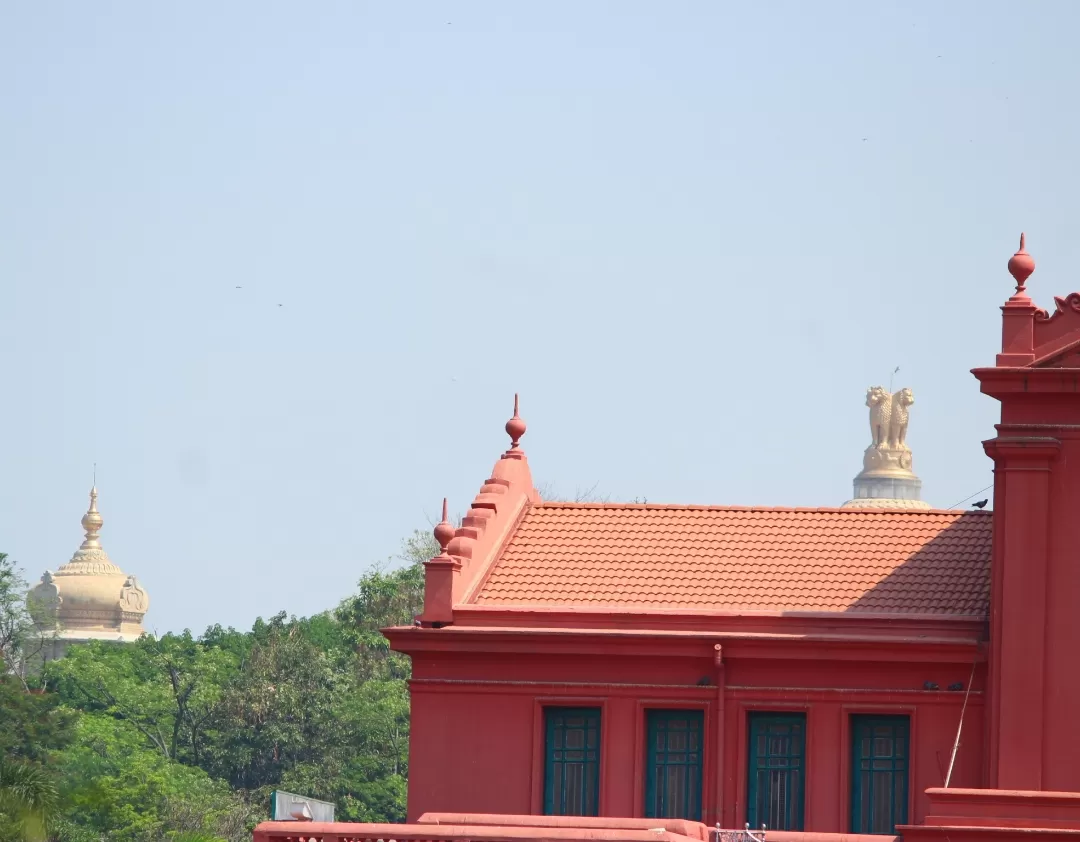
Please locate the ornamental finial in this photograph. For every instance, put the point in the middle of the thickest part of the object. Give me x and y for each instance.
(515, 427)
(1021, 265)
(92, 522)
(444, 530)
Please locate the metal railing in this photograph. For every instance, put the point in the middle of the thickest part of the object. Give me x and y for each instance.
(745, 835)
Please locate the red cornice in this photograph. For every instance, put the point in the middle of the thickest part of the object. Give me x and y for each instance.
(757, 695)
(1002, 380)
(1022, 452)
(903, 645)
(700, 620)
(1011, 797)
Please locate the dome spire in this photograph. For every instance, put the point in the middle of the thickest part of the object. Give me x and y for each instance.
(92, 523)
(90, 598)
(91, 556)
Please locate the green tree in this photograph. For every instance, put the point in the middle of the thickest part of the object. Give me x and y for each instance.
(115, 785)
(387, 596)
(27, 801)
(195, 836)
(34, 724)
(278, 713)
(33, 727)
(167, 688)
(19, 641)
(180, 734)
(383, 599)
(321, 705)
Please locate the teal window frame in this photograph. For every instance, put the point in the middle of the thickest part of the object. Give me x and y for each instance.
(880, 772)
(571, 761)
(674, 768)
(776, 773)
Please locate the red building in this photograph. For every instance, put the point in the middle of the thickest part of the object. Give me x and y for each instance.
(811, 670)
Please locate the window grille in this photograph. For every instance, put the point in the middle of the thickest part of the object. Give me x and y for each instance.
(879, 773)
(776, 778)
(673, 764)
(572, 767)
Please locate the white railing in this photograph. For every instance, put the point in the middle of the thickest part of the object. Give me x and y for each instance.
(745, 835)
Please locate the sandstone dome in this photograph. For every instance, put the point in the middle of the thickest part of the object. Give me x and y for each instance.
(90, 598)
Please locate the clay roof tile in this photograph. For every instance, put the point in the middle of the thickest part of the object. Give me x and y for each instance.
(862, 561)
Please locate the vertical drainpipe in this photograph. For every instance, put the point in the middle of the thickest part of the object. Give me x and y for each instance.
(718, 661)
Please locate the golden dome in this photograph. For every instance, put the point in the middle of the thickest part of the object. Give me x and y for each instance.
(90, 598)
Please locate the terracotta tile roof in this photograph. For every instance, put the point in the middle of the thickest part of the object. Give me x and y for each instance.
(870, 562)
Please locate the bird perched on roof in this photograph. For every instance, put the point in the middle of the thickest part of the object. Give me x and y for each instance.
(980, 505)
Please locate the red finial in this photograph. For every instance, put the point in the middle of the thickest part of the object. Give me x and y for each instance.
(515, 427)
(1021, 265)
(444, 530)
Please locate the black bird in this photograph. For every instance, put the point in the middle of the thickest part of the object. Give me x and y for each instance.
(956, 685)
(704, 681)
(930, 685)
(980, 505)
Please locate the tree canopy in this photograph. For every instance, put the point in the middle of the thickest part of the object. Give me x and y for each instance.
(184, 737)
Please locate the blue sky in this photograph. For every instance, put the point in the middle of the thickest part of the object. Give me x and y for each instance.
(689, 234)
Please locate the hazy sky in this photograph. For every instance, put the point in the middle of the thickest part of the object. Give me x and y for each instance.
(689, 234)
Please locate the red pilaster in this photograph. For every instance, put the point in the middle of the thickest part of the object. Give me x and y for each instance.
(1017, 332)
(1022, 470)
(439, 575)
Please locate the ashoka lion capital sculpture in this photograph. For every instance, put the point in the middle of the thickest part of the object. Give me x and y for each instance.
(888, 450)
(886, 480)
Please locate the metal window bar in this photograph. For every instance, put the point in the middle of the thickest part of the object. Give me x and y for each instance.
(674, 764)
(777, 767)
(879, 773)
(572, 774)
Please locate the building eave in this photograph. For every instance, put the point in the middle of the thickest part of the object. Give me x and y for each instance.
(603, 615)
(908, 643)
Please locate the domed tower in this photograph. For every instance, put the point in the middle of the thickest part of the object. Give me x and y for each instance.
(89, 598)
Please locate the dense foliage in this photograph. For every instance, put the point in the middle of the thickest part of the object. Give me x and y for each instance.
(184, 737)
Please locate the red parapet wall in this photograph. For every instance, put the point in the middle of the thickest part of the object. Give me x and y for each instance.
(357, 832)
(695, 830)
(439, 827)
(982, 815)
(810, 836)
